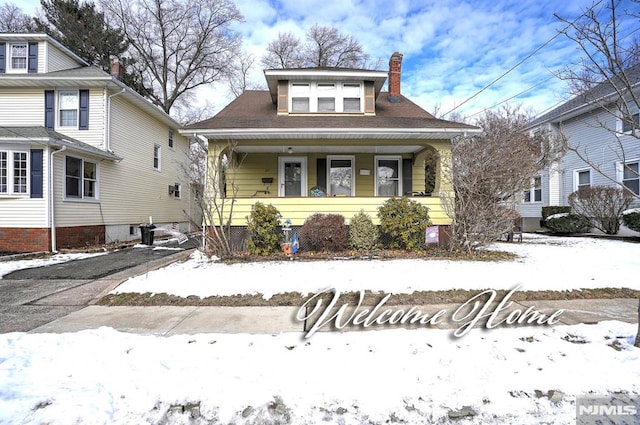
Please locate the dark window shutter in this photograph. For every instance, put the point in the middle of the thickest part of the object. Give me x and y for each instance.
(33, 58)
(321, 172)
(84, 110)
(3, 58)
(49, 108)
(407, 173)
(37, 177)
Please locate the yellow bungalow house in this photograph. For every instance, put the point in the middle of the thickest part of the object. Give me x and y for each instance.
(328, 140)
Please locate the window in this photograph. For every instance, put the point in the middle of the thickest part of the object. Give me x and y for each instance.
(582, 179)
(68, 108)
(627, 126)
(170, 138)
(18, 55)
(631, 176)
(340, 176)
(156, 157)
(351, 97)
(326, 97)
(81, 178)
(300, 97)
(534, 194)
(177, 190)
(388, 172)
(14, 173)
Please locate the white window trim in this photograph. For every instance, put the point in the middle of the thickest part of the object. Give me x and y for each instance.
(313, 97)
(303, 163)
(10, 174)
(375, 166)
(576, 173)
(171, 139)
(9, 69)
(82, 198)
(159, 167)
(57, 100)
(620, 169)
(351, 158)
(532, 192)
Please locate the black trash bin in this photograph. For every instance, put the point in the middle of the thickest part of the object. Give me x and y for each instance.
(146, 233)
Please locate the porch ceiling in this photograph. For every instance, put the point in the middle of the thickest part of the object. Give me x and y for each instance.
(395, 149)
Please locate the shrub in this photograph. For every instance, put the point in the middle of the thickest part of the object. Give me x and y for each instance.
(262, 224)
(325, 232)
(404, 222)
(631, 219)
(602, 206)
(567, 223)
(551, 210)
(363, 234)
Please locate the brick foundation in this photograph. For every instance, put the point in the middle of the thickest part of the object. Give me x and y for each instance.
(14, 239)
(79, 236)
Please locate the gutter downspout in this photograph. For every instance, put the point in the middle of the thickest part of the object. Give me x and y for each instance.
(52, 200)
(107, 145)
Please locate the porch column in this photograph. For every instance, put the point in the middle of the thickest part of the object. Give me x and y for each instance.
(443, 185)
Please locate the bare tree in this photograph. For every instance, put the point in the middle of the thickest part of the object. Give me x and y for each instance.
(324, 47)
(177, 45)
(608, 77)
(490, 172)
(283, 52)
(239, 79)
(13, 19)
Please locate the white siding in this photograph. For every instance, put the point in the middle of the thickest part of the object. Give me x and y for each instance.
(25, 212)
(131, 190)
(21, 107)
(59, 60)
(95, 134)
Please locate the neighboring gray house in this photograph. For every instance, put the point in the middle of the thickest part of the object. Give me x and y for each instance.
(84, 159)
(592, 124)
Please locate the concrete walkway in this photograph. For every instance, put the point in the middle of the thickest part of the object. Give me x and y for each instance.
(170, 320)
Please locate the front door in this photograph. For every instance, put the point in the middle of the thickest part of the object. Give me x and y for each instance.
(292, 176)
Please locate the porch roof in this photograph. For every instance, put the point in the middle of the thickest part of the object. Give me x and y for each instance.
(253, 116)
(48, 137)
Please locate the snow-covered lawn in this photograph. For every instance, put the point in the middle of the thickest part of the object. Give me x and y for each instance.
(529, 375)
(544, 263)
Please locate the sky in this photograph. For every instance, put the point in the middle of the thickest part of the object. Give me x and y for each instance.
(452, 49)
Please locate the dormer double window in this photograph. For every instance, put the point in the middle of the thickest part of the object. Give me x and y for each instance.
(325, 97)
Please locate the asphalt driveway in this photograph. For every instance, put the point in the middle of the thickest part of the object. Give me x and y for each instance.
(30, 298)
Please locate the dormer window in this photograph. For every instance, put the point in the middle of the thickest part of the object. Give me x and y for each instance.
(325, 97)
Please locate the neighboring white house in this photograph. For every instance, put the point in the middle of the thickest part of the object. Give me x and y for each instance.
(84, 159)
(592, 125)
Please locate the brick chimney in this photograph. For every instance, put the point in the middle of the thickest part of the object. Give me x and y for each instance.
(116, 69)
(395, 71)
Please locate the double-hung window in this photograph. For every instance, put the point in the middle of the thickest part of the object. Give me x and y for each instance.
(68, 108)
(18, 57)
(631, 176)
(14, 173)
(156, 157)
(582, 179)
(351, 97)
(171, 138)
(81, 178)
(534, 194)
(300, 93)
(326, 97)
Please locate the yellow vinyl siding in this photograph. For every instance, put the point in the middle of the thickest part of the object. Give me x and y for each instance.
(58, 60)
(22, 107)
(298, 209)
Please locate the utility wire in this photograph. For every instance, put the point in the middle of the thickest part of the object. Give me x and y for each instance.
(526, 58)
